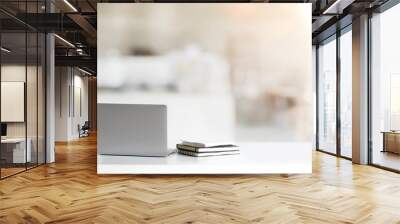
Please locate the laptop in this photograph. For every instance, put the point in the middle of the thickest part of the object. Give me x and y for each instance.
(3, 131)
(132, 130)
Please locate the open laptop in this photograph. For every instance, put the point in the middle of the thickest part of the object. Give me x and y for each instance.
(3, 131)
(132, 129)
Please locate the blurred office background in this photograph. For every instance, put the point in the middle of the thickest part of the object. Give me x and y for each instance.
(223, 69)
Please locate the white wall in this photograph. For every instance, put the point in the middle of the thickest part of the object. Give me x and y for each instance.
(69, 84)
(14, 73)
(80, 115)
(62, 81)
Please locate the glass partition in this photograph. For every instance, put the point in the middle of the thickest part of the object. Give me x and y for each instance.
(34, 68)
(327, 96)
(334, 94)
(385, 89)
(31, 100)
(41, 97)
(41, 88)
(346, 93)
(22, 77)
(14, 153)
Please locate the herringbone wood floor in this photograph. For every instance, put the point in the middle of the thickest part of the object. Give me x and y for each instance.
(70, 191)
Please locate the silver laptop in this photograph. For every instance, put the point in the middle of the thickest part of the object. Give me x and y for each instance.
(132, 129)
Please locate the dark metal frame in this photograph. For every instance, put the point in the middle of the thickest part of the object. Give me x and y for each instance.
(317, 97)
(338, 97)
(369, 90)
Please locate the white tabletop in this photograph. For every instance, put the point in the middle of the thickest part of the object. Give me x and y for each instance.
(254, 158)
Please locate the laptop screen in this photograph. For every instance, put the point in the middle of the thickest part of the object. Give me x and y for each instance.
(3, 129)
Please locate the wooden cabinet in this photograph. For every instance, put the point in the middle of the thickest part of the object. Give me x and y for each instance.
(391, 142)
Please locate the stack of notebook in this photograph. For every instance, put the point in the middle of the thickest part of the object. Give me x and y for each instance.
(199, 149)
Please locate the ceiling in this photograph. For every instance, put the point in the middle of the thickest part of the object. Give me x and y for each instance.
(76, 21)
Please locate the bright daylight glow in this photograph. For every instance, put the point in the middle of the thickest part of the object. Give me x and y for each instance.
(331, 7)
(84, 71)
(65, 41)
(70, 5)
(5, 50)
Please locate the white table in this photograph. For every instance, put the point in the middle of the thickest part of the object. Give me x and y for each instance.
(19, 153)
(255, 158)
